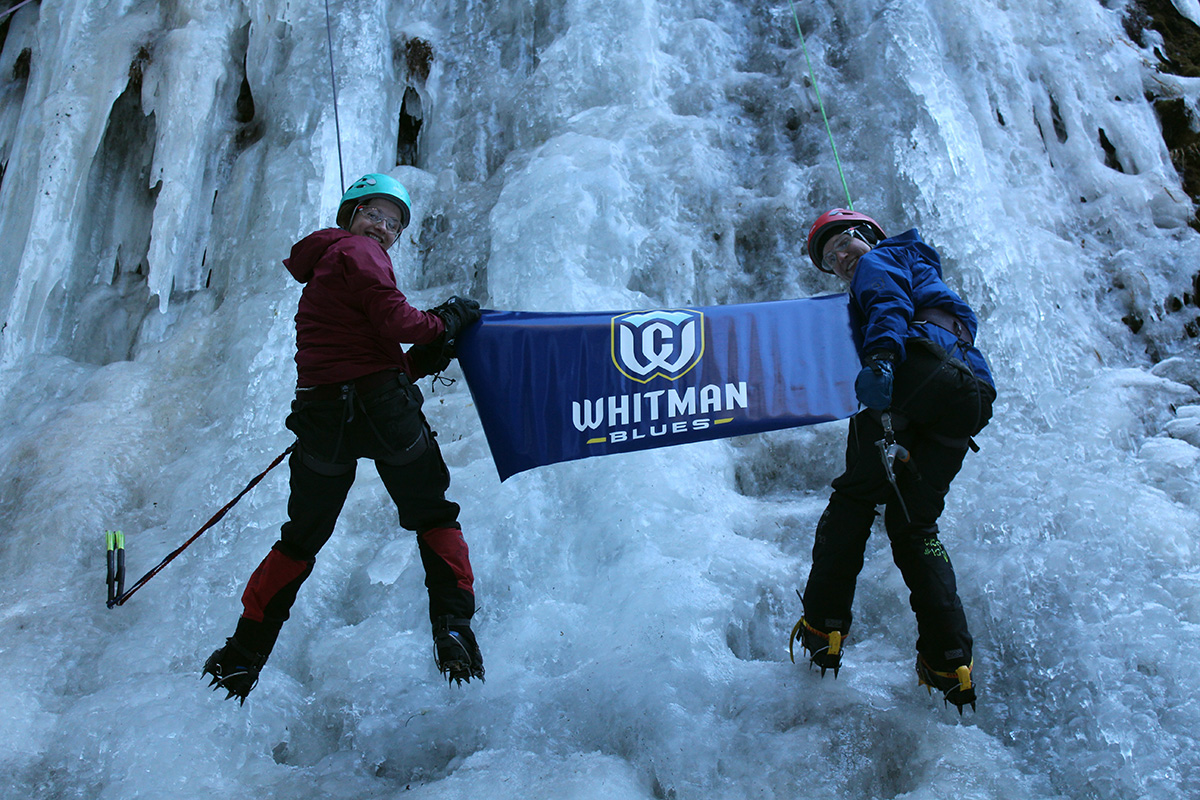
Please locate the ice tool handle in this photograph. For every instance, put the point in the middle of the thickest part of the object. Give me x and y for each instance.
(890, 453)
(115, 561)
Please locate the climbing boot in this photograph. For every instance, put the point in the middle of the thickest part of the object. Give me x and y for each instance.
(234, 668)
(955, 685)
(824, 648)
(455, 650)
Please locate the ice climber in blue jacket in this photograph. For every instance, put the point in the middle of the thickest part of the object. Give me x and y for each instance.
(927, 390)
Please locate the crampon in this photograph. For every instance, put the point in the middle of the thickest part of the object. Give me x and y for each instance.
(956, 687)
(455, 650)
(234, 669)
(824, 649)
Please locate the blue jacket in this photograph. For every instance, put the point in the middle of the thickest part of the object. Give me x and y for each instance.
(899, 277)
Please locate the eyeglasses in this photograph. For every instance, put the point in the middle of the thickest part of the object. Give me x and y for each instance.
(376, 216)
(838, 244)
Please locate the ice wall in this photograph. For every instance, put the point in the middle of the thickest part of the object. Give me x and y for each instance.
(157, 160)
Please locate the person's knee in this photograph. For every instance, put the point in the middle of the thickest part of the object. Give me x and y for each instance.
(845, 505)
(914, 537)
(295, 551)
(428, 514)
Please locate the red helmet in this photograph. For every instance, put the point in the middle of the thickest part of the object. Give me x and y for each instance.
(833, 222)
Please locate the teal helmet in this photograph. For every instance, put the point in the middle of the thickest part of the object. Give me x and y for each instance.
(371, 186)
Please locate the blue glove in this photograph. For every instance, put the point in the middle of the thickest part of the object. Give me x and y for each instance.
(873, 386)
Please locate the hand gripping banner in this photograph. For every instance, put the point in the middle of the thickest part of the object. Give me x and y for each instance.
(558, 387)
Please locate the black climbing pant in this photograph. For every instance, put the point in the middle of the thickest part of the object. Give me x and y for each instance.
(938, 404)
(377, 417)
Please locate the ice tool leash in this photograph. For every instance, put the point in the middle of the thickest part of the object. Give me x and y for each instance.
(115, 541)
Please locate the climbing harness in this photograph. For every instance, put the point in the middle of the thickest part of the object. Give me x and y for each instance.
(337, 127)
(116, 543)
(891, 452)
(813, 78)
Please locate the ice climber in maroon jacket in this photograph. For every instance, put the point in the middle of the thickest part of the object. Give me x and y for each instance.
(355, 398)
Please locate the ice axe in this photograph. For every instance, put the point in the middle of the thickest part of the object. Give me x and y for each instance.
(115, 540)
(891, 452)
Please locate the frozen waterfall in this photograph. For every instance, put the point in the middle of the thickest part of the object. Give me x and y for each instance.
(158, 159)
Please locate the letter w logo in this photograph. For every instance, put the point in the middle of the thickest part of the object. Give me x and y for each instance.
(657, 344)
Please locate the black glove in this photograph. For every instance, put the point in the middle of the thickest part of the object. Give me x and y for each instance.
(458, 314)
(431, 358)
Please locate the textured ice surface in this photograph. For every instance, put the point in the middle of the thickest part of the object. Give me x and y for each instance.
(160, 158)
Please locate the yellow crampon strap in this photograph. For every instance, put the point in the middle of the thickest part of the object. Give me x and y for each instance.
(964, 677)
(961, 674)
(834, 637)
(794, 638)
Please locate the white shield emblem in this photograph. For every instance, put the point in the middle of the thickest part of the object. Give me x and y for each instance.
(657, 344)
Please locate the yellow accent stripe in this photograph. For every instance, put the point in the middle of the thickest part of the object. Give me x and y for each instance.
(722, 421)
(598, 441)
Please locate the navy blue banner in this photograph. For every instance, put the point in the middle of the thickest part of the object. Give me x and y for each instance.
(557, 387)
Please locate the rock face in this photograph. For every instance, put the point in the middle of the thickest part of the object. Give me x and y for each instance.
(1179, 54)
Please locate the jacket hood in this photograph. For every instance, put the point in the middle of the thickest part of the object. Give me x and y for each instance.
(911, 238)
(309, 250)
(905, 239)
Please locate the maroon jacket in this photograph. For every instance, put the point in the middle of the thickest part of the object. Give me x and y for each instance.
(351, 318)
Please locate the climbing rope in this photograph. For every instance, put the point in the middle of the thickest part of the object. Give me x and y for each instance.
(337, 127)
(812, 77)
(5, 13)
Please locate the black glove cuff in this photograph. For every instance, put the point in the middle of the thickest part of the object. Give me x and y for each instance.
(882, 355)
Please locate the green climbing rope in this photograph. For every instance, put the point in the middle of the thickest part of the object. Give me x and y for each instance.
(812, 77)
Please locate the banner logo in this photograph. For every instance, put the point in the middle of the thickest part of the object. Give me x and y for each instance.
(556, 387)
(657, 344)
